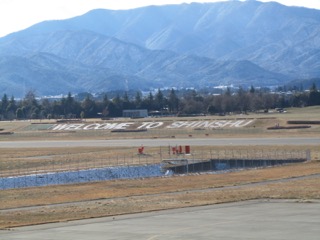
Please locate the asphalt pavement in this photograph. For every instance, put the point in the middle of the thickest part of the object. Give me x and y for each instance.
(258, 219)
(162, 142)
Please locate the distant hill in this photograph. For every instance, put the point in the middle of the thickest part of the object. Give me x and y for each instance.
(304, 84)
(187, 45)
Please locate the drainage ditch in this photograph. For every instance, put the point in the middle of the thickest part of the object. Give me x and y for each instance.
(167, 168)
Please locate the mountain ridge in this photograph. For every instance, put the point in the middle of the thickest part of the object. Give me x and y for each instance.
(186, 45)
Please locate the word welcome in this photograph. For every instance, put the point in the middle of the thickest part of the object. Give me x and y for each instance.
(151, 125)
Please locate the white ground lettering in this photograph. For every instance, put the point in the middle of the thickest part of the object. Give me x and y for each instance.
(239, 123)
(90, 127)
(67, 127)
(183, 124)
(58, 127)
(74, 127)
(107, 126)
(227, 123)
(175, 125)
(221, 124)
(150, 125)
(205, 124)
(100, 126)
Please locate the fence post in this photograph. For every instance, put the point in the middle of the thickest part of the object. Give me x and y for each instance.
(187, 166)
(308, 155)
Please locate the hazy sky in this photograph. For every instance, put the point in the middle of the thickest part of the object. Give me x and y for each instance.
(16, 15)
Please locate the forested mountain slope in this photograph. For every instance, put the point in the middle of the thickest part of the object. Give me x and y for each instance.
(187, 45)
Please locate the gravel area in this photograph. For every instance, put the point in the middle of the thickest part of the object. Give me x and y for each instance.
(91, 175)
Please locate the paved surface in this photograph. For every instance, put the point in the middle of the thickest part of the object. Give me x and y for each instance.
(163, 142)
(272, 220)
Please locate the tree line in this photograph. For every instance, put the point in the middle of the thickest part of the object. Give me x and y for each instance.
(165, 102)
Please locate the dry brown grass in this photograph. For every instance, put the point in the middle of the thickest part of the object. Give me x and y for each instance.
(24, 161)
(34, 205)
(130, 196)
(30, 160)
(24, 131)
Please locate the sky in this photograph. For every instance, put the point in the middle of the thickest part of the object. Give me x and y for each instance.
(16, 15)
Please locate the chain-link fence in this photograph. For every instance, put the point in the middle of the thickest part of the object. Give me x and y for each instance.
(166, 160)
(217, 160)
(73, 163)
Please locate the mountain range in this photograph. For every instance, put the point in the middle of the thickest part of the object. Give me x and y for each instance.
(187, 45)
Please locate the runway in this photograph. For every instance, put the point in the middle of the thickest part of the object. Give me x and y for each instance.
(162, 142)
(258, 219)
